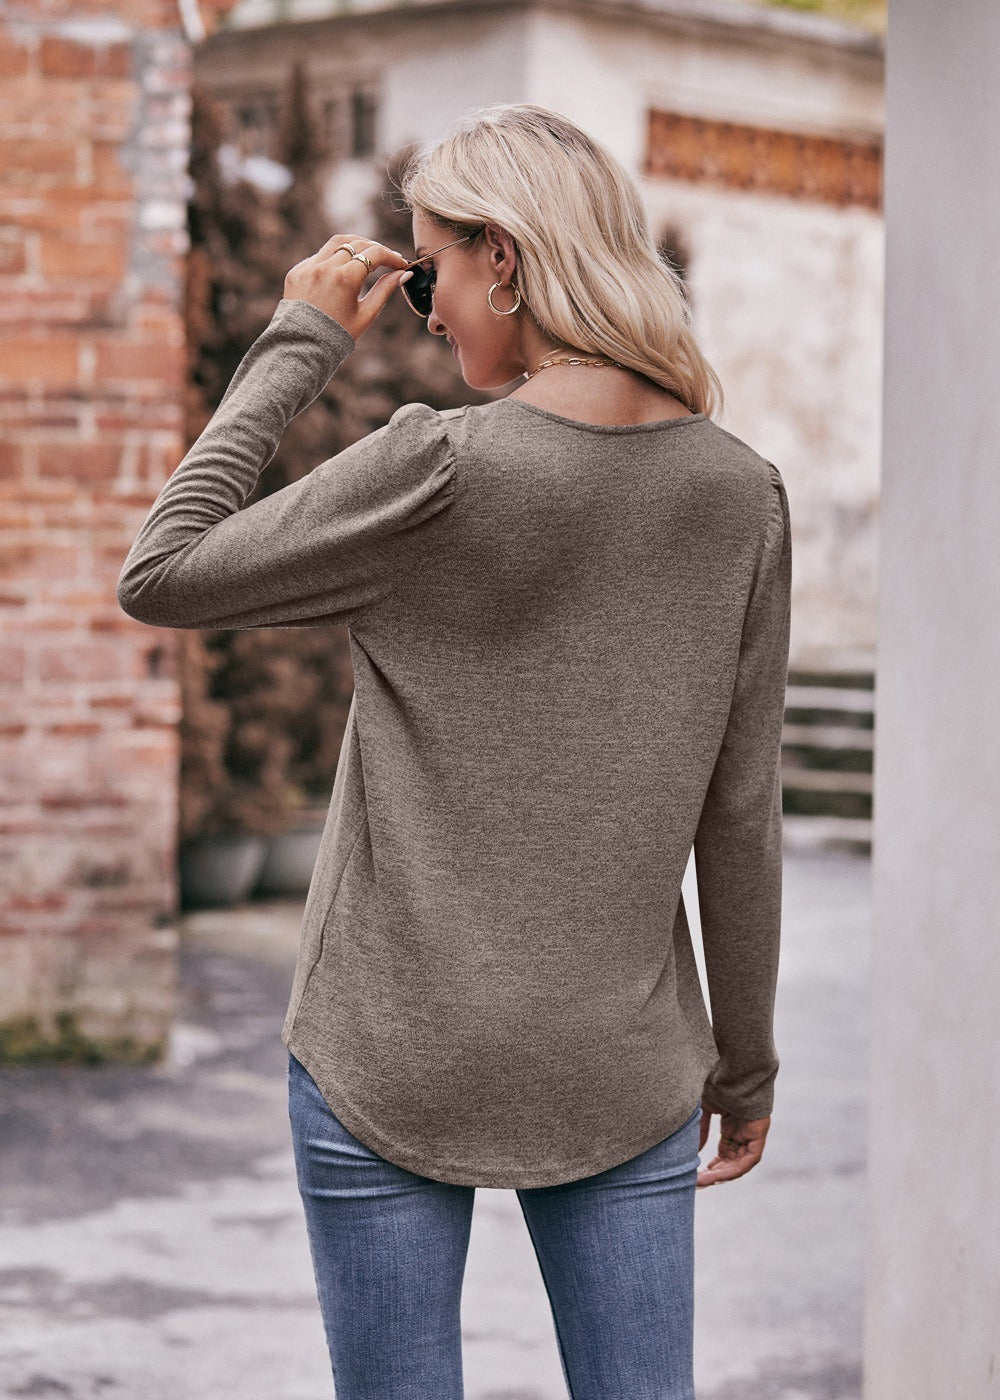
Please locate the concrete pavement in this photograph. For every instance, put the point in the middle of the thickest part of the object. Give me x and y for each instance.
(151, 1239)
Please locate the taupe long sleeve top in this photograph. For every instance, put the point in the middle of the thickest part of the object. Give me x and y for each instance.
(570, 648)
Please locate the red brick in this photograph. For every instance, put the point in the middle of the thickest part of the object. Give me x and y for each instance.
(116, 60)
(68, 58)
(25, 309)
(12, 663)
(123, 700)
(36, 903)
(46, 563)
(15, 558)
(65, 58)
(14, 58)
(151, 14)
(11, 461)
(110, 176)
(140, 359)
(90, 461)
(51, 360)
(54, 9)
(58, 209)
(161, 320)
(56, 515)
(167, 415)
(45, 624)
(111, 219)
(45, 491)
(111, 109)
(24, 104)
(12, 256)
(79, 258)
(30, 156)
(113, 626)
(85, 601)
(47, 412)
(88, 660)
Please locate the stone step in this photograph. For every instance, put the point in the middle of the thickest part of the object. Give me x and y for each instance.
(803, 832)
(830, 697)
(824, 780)
(830, 720)
(826, 736)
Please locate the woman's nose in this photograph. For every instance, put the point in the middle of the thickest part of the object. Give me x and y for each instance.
(434, 324)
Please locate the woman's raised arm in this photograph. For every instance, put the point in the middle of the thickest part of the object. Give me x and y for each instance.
(323, 549)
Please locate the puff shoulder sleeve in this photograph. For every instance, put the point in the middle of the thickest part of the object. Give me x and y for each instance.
(325, 548)
(738, 843)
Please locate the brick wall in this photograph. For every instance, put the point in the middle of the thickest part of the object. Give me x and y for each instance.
(93, 154)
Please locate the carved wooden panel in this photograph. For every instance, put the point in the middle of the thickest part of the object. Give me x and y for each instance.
(835, 170)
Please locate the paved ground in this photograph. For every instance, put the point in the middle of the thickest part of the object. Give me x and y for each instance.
(152, 1245)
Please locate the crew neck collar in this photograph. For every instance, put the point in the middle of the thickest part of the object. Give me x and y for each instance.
(653, 426)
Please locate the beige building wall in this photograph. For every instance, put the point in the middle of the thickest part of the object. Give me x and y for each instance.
(428, 84)
(788, 307)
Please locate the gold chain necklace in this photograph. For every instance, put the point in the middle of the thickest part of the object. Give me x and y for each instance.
(572, 360)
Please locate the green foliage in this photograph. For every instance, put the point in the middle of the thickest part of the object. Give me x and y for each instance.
(866, 14)
(24, 1041)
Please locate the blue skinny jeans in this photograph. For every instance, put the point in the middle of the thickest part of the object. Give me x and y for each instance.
(616, 1253)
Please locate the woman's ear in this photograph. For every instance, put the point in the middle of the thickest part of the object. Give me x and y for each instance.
(502, 249)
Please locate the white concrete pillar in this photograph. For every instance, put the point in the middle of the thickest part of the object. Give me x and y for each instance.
(932, 1308)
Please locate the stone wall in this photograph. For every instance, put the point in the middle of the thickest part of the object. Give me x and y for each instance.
(94, 113)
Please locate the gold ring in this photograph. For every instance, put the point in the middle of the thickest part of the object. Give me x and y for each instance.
(341, 246)
(362, 258)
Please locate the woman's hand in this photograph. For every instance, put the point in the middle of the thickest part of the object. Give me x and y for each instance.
(741, 1145)
(332, 280)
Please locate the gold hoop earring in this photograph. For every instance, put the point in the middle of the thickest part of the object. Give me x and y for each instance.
(496, 310)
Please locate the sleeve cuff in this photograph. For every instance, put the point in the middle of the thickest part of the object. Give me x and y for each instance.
(316, 323)
(745, 1113)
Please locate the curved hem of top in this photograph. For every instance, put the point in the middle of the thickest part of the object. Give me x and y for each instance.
(654, 424)
(361, 1128)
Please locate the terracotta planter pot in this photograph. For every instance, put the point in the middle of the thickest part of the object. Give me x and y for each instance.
(218, 871)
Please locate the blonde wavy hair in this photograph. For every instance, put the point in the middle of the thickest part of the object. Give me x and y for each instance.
(588, 269)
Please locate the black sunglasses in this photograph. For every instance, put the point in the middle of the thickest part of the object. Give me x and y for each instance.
(419, 290)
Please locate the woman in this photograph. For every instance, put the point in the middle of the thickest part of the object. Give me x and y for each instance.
(568, 614)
